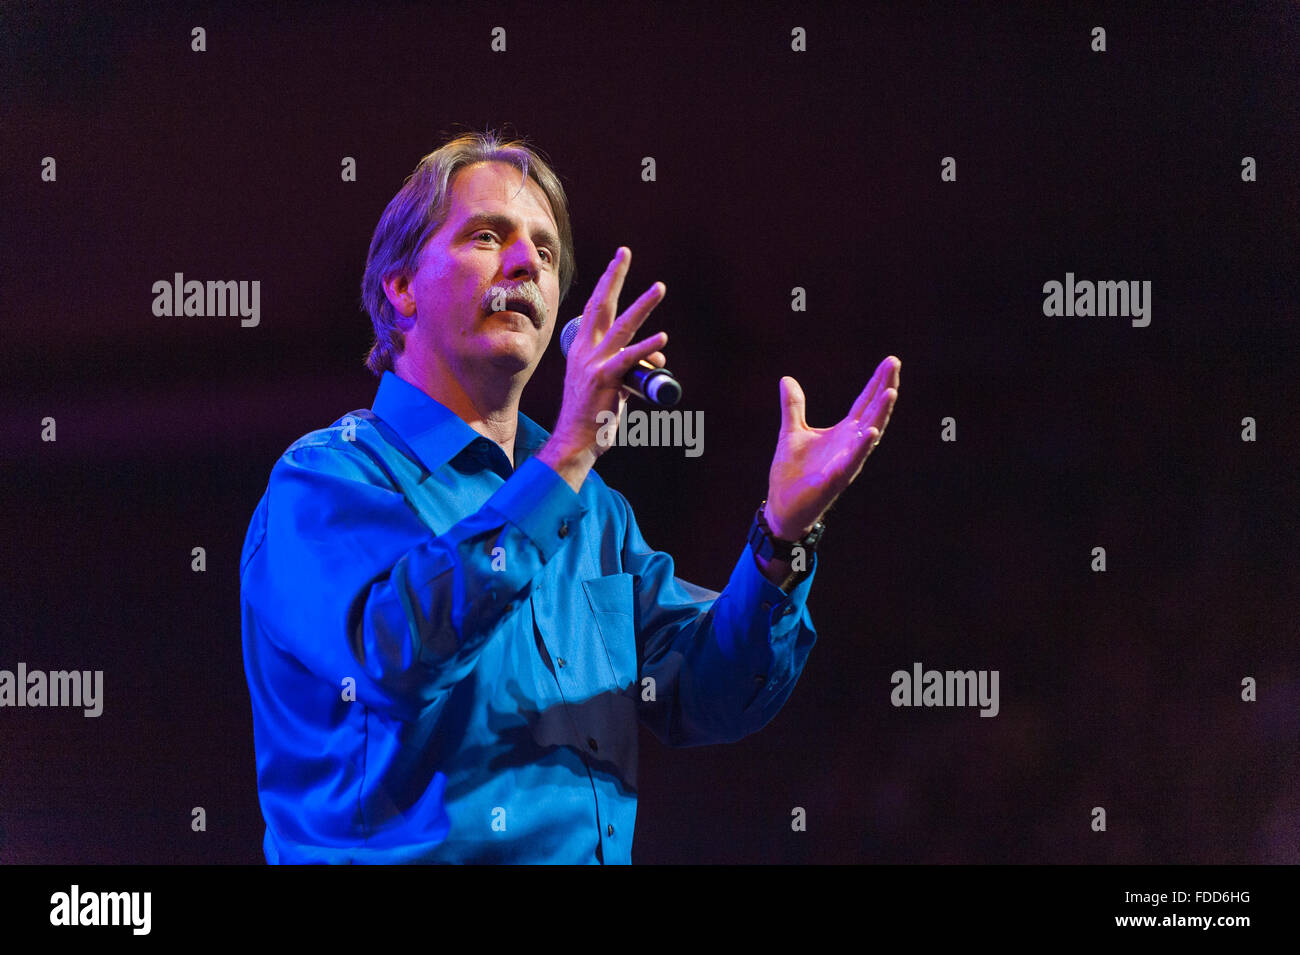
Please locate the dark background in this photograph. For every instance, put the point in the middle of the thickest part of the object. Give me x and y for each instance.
(775, 169)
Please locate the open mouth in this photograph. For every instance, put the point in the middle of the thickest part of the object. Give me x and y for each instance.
(524, 307)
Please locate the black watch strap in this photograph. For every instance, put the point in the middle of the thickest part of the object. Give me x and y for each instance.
(769, 547)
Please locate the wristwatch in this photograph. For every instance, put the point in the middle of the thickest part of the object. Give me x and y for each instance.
(768, 546)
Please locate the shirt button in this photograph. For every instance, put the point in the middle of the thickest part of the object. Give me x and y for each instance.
(591, 741)
(560, 662)
(760, 679)
(564, 528)
(609, 830)
(766, 605)
(787, 611)
(510, 608)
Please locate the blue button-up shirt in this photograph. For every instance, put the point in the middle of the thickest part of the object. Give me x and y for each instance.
(448, 656)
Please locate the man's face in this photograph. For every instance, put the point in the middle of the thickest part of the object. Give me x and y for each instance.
(493, 261)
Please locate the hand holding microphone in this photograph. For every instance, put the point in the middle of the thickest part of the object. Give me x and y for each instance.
(602, 366)
(649, 382)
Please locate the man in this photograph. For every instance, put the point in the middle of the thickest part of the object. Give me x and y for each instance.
(451, 624)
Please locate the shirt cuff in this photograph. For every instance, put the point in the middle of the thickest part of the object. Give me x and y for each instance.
(541, 504)
(783, 610)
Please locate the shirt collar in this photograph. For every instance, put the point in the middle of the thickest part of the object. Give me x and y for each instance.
(436, 433)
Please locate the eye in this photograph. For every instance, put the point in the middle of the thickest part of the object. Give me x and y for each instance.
(484, 232)
(547, 254)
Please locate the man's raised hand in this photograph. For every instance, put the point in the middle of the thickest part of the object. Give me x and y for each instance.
(599, 358)
(813, 466)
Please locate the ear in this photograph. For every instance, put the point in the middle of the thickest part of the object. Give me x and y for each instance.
(401, 296)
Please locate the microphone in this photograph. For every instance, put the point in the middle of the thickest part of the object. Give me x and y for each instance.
(655, 385)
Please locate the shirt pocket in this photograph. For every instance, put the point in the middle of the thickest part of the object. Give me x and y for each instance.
(613, 605)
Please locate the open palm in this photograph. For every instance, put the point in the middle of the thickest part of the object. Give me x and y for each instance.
(813, 466)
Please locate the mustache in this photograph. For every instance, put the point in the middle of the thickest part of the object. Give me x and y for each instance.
(525, 298)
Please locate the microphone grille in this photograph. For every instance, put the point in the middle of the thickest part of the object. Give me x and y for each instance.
(569, 333)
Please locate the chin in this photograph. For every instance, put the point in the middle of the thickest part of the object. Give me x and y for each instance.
(513, 360)
(511, 347)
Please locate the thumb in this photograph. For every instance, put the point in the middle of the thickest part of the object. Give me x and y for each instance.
(792, 404)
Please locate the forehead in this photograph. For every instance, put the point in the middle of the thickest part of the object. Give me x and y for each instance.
(495, 187)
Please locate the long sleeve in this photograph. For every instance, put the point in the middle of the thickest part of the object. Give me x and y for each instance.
(722, 664)
(446, 653)
(337, 550)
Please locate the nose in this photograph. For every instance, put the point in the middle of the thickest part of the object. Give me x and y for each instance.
(523, 260)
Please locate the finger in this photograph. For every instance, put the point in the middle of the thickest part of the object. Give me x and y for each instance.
(864, 397)
(886, 376)
(867, 438)
(658, 359)
(870, 437)
(603, 304)
(793, 405)
(626, 358)
(878, 416)
(626, 327)
(847, 464)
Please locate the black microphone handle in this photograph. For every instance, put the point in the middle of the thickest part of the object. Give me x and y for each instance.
(653, 384)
